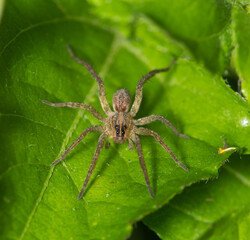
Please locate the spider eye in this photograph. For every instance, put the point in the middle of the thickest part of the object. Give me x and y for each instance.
(123, 129)
(117, 128)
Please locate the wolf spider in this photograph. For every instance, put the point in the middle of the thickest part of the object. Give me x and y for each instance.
(120, 123)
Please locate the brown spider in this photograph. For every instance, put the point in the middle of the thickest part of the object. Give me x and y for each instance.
(119, 124)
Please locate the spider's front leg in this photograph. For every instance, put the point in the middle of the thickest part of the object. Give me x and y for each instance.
(138, 147)
(96, 128)
(138, 94)
(149, 132)
(149, 119)
(93, 162)
(102, 97)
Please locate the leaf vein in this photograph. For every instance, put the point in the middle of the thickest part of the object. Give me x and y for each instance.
(238, 175)
(195, 217)
(19, 165)
(31, 120)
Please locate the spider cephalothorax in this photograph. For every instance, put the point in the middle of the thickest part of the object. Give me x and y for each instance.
(119, 124)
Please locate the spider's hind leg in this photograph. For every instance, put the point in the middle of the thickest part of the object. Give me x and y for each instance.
(152, 118)
(107, 144)
(130, 144)
(96, 128)
(137, 142)
(149, 132)
(93, 162)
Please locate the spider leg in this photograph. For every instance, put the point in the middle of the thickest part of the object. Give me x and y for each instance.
(93, 111)
(96, 128)
(130, 144)
(138, 94)
(149, 119)
(93, 162)
(146, 131)
(137, 142)
(102, 97)
(107, 144)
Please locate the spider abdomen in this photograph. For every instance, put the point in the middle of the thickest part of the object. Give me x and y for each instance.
(121, 100)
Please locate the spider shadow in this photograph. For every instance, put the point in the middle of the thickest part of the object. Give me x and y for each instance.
(151, 98)
(154, 154)
(5, 203)
(148, 106)
(105, 162)
(92, 141)
(153, 159)
(113, 151)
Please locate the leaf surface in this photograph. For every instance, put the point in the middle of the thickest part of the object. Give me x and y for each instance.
(202, 26)
(39, 201)
(218, 209)
(242, 52)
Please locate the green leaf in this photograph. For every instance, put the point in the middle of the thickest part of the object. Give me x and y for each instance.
(218, 209)
(38, 201)
(242, 51)
(203, 26)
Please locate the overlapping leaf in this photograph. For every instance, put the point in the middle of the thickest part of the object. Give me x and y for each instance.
(218, 209)
(203, 27)
(242, 52)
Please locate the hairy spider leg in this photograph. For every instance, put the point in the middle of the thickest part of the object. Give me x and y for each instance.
(96, 128)
(138, 94)
(107, 144)
(93, 162)
(138, 147)
(102, 97)
(130, 144)
(92, 110)
(146, 131)
(149, 119)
